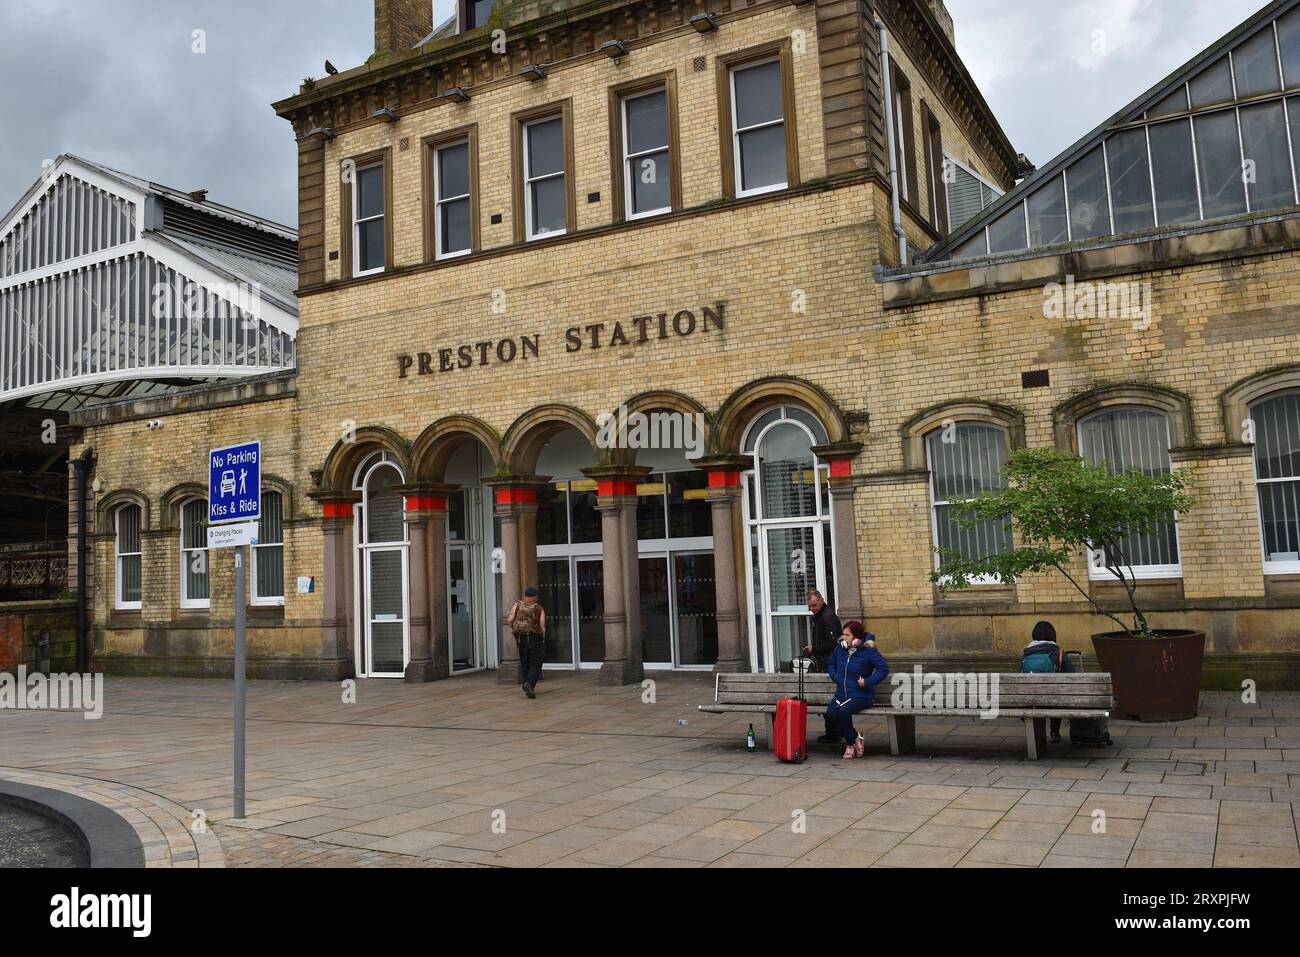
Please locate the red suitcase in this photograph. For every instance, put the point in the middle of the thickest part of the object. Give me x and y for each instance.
(790, 728)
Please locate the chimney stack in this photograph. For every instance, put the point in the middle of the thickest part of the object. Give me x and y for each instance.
(401, 24)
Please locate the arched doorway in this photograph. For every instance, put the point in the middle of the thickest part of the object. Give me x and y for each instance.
(473, 575)
(570, 573)
(383, 634)
(788, 531)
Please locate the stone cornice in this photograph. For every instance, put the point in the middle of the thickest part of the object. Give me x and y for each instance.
(570, 32)
(920, 32)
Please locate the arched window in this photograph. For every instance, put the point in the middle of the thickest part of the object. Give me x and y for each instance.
(788, 519)
(781, 442)
(1276, 425)
(383, 506)
(1125, 439)
(966, 460)
(383, 606)
(194, 554)
(268, 553)
(126, 525)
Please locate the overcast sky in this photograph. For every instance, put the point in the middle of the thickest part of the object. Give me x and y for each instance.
(121, 81)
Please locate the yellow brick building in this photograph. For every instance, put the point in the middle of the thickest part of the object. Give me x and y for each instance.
(511, 229)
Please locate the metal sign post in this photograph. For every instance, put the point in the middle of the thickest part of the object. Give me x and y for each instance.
(234, 506)
(240, 653)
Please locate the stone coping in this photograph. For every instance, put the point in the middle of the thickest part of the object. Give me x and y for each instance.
(111, 841)
(122, 826)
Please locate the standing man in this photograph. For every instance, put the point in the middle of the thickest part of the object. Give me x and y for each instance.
(528, 623)
(825, 635)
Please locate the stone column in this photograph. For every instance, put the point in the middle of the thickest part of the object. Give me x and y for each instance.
(724, 500)
(426, 518)
(616, 499)
(515, 499)
(337, 658)
(848, 581)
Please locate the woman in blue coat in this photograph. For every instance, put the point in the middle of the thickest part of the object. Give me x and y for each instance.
(856, 667)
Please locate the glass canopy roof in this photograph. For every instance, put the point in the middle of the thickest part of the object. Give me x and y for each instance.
(1218, 139)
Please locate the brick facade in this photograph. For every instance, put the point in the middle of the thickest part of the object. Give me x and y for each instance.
(806, 320)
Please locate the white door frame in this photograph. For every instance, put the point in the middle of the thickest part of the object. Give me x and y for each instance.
(470, 552)
(403, 550)
(361, 653)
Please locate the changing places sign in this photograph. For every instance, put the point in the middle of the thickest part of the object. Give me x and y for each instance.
(235, 483)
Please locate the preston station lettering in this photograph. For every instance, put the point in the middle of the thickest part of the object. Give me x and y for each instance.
(596, 335)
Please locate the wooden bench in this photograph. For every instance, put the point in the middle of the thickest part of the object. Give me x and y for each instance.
(1032, 697)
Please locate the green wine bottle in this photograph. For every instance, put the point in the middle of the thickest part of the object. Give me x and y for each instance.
(750, 744)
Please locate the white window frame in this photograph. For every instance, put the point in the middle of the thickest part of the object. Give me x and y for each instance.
(1099, 573)
(530, 235)
(439, 200)
(736, 131)
(629, 158)
(357, 221)
(186, 601)
(118, 601)
(935, 503)
(270, 601)
(1270, 568)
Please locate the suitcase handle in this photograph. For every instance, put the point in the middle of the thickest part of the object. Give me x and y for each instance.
(810, 662)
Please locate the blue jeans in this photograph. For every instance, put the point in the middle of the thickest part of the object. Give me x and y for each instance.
(840, 717)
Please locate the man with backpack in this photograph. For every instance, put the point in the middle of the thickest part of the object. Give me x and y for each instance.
(527, 622)
(1043, 655)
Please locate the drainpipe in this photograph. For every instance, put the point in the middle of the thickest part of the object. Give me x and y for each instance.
(891, 141)
(82, 470)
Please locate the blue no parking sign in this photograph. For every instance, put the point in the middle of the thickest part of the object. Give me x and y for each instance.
(235, 483)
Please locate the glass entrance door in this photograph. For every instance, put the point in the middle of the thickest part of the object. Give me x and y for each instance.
(590, 597)
(793, 567)
(386, 612)
(463, 624)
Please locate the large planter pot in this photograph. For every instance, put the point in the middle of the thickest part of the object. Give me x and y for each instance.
(1155, 679)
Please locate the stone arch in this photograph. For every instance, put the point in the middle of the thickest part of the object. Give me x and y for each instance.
(434, 449)
(751, 400)
(1176, 406)
(114, 500)
(343, 459)
(173, 498)
(663, 400)
(1238, 399)
(274, 483)
(915, 429)
(522, 445)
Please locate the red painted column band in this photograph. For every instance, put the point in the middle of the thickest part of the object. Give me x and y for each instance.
(615, 487)
(426, 503)
(516, 496)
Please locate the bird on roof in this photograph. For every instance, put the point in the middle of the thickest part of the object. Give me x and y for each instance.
(330, 68)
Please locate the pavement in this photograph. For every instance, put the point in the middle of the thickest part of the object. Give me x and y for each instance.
(468, 772)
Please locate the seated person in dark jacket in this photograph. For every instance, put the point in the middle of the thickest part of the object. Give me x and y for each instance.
(856, 667)
(1042, 651)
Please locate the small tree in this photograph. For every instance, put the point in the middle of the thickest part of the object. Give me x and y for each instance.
(1057, 504)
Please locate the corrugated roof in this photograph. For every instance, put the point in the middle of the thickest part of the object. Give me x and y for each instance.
(275, 281)
(183, 197)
